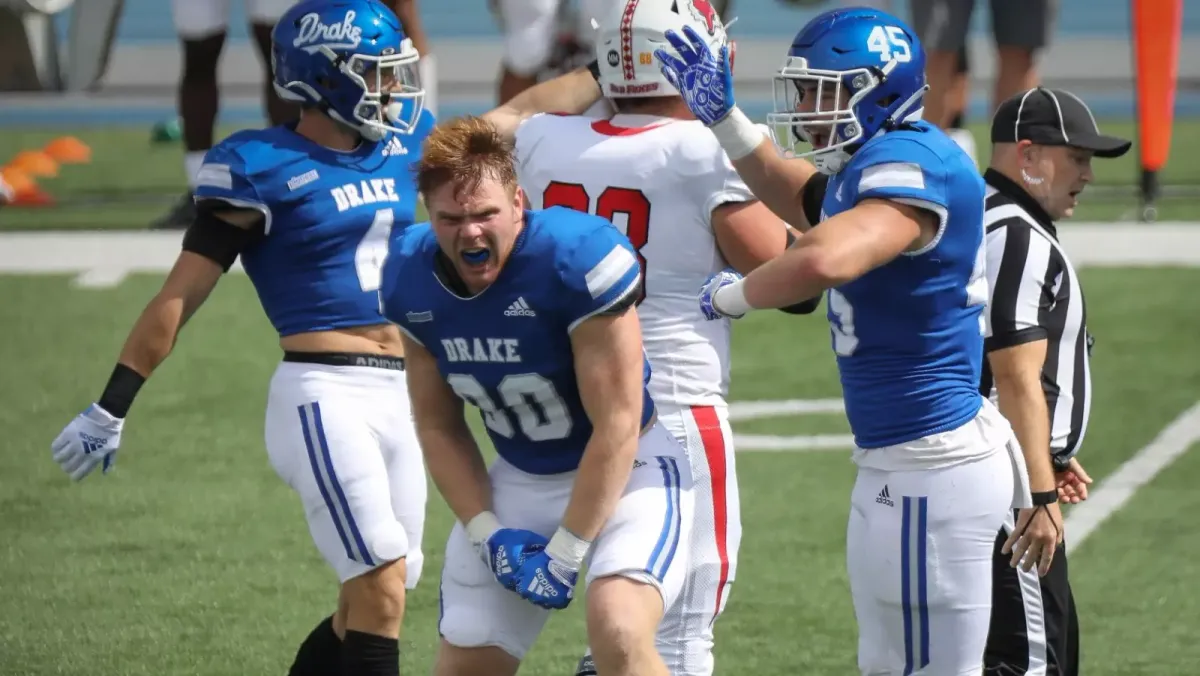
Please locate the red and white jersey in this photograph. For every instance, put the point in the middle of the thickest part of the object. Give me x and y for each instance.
(657, 179)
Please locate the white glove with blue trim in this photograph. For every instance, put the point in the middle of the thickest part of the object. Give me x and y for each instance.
(91, 439)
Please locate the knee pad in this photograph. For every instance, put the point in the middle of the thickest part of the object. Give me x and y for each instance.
(414, 563)
(385, 542)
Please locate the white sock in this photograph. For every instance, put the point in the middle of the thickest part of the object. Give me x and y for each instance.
(191, 165)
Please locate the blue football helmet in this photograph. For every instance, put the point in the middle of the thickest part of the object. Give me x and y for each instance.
(850, 74)
(350, 59)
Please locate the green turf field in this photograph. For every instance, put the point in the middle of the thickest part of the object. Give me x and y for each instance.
(130, 181)
(193, 558)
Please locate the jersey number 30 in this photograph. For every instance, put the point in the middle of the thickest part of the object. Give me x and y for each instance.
(531, 398)
(612, 201)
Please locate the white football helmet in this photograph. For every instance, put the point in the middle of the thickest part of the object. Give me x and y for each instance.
(633, 29)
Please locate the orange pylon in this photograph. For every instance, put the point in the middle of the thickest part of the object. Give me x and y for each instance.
(68, 150)
(25, 190)
(35, 163)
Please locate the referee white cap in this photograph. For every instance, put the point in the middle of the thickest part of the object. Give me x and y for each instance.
(1053, 117)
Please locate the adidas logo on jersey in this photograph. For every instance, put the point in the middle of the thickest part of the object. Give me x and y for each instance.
(394, 147)
(885, 497)
(519, 308)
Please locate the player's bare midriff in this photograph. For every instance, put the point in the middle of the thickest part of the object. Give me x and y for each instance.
(381, 339)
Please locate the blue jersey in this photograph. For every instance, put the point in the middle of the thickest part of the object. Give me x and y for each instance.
(908, 334)
(329, 219)
(507, 350)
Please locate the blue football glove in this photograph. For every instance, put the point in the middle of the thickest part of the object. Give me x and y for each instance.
(547, 577)
(704, 79)
(507, 550)
(544, 581)
(711, 285)
(503, 550)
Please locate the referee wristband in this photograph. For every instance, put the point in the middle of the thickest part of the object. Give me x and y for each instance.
(1044, 498)
(122, 387)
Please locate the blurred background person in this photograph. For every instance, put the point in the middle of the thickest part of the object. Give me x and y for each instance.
(1021, 28)
(546, 38)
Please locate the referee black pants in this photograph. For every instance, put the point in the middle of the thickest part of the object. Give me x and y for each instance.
(1034, 629)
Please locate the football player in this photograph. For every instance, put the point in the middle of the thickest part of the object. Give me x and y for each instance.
(311, 208)
(653, 170)
(528, 316)
(202, 27)
(899, 248)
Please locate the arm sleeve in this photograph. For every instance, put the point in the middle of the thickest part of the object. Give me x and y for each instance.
(905, 171)
(224, 178)
(600, 272)
(1019, 278)
(812, 197)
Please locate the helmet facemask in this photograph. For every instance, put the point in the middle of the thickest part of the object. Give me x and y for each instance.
(392, 96)
(817, 108)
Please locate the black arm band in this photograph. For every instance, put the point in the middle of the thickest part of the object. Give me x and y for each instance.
(623, 303)
(217, 239)
(804, 307)
(1045, 498)
(594, 69)
(812, 196)
(122, 387)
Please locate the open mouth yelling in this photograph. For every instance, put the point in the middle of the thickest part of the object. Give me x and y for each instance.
(476, 256)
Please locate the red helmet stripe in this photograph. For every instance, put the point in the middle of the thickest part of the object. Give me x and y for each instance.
(627, 38)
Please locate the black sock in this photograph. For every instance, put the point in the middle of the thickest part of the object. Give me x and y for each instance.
(320, 653)
(366, 654)
(958, 122)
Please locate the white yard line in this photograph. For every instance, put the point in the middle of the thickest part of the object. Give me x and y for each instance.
(1116, 489)
(103, 259)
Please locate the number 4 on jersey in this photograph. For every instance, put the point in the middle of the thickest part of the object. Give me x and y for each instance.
(633, 203)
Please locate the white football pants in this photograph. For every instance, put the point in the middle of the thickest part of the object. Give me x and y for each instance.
(645, 539)
(919, 555)
(196, 19)
(343, 438)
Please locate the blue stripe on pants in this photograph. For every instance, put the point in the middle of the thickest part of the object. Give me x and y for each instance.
(914, 532)
(660, 558)
(321, 463)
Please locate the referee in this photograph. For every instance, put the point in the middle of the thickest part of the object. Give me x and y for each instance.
(1037, 345)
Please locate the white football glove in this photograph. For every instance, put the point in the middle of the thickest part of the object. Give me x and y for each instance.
(92, 438)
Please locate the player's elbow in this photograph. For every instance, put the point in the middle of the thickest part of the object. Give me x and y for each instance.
(826, 267)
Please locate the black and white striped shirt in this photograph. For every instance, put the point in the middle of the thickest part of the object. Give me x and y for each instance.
(1035, 295)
